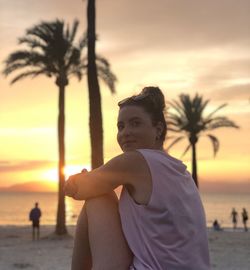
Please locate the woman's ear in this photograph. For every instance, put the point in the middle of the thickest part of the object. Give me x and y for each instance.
(159, 130)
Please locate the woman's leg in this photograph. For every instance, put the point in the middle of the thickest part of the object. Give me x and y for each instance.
(99, 239)
(108, 245)
(81, 259)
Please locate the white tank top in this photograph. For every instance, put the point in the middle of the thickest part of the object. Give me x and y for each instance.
(169, 233)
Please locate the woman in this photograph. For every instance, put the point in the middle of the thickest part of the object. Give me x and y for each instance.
(159, 221)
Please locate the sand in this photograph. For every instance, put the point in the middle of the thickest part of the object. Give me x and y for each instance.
(228, 250)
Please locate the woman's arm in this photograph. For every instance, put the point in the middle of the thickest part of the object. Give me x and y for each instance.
(124, 169)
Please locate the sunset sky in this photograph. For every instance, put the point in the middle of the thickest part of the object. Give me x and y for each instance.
(182, 46)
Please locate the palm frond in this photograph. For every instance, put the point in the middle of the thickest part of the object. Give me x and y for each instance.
(216, 110)
(186, 150)
(78, 70)
(176, 120)
(32, 42)
(221, 123)
(73, 59)
(32, 73)
(215, 143)
(177, 107)
(17, 60)
(73, 31)
(108, 77)
(174, 142)
(187, 106)
(18, 55)
(83, 42)
(102, 61)
(214, 119)
(203, 106)
(105, 73)
(174, 125)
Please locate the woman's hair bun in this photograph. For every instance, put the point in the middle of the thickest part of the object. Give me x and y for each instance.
(156, 96)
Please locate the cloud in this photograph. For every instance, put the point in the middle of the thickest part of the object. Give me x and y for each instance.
(236, 92)
(175, 24)
(222, 74)
(7, 166)
(162, 24)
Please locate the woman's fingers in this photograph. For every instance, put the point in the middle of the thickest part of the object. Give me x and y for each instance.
(70, 188)
(71, 185)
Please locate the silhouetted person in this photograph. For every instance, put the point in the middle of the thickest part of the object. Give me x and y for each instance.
(234, 215)
(35, 215)
(216, 225)
(244, 215)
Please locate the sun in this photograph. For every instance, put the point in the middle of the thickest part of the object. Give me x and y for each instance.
(51, 175)
(73, 169)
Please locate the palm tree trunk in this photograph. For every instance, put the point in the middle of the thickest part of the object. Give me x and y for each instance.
(95, 120)
(60, 222)
(194, 164)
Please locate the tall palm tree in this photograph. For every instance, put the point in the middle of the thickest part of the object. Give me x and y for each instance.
(51, 52)
(187, 117)
(97, 66)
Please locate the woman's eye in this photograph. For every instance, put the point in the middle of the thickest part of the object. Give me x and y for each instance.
(119, 127)
(135, 123)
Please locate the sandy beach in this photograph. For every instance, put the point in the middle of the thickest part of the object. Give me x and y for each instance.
(228, 250)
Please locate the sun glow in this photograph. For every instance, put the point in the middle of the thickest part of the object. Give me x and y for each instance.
(73, 169)
(51, 175)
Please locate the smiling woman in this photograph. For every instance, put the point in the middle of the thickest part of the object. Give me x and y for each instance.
(158, 195)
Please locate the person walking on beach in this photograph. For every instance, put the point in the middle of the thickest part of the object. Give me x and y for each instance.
(244, 215)
(158, 222)
(34, 216)
(234, 216)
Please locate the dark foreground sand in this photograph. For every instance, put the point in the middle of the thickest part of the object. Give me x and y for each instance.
(228, 250)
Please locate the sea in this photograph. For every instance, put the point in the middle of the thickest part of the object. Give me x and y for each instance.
(15, 207)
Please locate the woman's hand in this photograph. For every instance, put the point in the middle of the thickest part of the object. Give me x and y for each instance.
(71, 185)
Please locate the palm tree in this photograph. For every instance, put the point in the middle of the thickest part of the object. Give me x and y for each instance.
(97, 66)
(51, 52)
(188, 118)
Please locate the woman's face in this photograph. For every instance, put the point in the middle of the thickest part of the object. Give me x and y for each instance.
(135, 129)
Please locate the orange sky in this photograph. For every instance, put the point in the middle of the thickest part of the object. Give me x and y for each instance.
(181, 46)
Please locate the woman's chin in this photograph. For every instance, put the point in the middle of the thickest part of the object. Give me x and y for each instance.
(127, 148)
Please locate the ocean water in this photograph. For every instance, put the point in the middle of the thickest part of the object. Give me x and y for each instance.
(15, 207)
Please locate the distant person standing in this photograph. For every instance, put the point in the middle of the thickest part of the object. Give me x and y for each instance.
(234, 216)
(244, 215)
(35, 215)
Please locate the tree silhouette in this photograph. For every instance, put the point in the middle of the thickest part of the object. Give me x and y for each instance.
(97, 67)
(51, 52)
(186, 116)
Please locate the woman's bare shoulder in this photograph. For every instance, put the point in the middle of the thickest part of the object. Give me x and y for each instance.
(132, 160)
(127, 167)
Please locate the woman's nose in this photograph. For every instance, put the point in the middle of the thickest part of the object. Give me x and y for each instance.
(126, 131)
